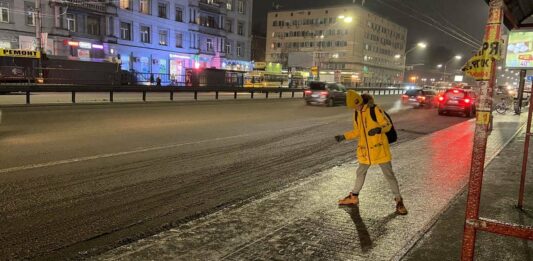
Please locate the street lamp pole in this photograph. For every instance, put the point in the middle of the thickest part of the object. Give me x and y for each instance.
(422, 45)
(457, 57)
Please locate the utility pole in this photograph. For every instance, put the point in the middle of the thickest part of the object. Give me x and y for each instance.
(38, 36)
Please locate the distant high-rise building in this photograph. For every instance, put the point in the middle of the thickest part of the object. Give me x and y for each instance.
(348, 41)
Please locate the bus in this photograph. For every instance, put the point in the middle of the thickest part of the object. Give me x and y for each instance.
(258, 79)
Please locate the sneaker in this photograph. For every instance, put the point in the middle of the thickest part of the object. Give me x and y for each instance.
(400, 207)
(349, 200)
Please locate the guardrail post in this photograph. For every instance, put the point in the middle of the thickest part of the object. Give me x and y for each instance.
(266, 95)
(216, 95)
(144, 96)
(235, 95)
(73, 97)
(195, 95)
(280, 94)
(251, 94)
(27, 97)
(292, 94)
(172, 95)
(111, 96)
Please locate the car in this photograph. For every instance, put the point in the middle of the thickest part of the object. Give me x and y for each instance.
(324, 93)
(420, 98)
(458, 101)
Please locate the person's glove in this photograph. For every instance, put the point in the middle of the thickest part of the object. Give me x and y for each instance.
(374, 131)
(339, 138)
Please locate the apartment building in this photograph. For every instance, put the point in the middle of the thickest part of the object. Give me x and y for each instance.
(169, 36)
(363, 46)
(75, 29)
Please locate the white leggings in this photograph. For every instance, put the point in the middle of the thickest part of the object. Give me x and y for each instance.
(386, 168)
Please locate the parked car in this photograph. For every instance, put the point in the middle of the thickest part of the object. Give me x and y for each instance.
(323, 93)
(420, 98)
(458, 101)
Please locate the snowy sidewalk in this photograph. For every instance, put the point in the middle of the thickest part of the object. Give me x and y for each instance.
(303, 221)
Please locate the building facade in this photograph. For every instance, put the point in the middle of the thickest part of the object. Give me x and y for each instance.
(168, 36)
(348, 41)
(77, 30)
(145, 36)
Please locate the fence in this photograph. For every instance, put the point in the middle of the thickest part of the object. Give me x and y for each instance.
(171, 90)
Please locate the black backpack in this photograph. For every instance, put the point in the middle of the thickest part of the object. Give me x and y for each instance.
(392, 135)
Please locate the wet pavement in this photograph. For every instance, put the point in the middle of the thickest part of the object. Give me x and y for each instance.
(499, 198)
(303, 221)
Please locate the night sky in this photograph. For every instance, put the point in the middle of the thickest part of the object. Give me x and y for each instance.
(468, 15)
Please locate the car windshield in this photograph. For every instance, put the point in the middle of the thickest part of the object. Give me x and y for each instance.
(317, 86)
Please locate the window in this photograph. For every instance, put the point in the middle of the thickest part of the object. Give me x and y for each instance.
(125, 31)
(110, 26)
(179, 40)
(179, 14)
(30, 14)
(227, 48)
(241, 6)
(229, 25)
(163, 37)
(162, 10)
(93, 25)
(71, 22)
(229, 5)
(125, 4)
(209, 45)
(239, 50)
(145, 34)
(144, 6)
(240, 28)
(4, 12)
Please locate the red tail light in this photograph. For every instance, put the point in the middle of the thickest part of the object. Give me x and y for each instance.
(308, 92)
(441, 98)
(324, 93)
(405, 96)
(467, 100)
(422, 98)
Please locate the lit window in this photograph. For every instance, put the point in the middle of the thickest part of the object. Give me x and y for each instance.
(145, 6)
(125, 4)
(229, 5)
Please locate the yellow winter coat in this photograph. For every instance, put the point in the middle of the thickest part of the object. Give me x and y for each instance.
(375, 149)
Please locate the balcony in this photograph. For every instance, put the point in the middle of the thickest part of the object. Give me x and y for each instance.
(212, 31)
(97, 6)
(216, 8)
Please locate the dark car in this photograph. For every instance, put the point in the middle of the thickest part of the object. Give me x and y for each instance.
(458, 101)
(420, 98)
(323, 93)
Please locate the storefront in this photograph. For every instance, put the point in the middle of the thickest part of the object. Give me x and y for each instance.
(237, 65)
(86, 50)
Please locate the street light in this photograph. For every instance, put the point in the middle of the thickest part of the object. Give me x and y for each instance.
(457, 57)
(422, 45)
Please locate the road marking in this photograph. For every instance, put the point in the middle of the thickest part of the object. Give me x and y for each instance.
(124, 153)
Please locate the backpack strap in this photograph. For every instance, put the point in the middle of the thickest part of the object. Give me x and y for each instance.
(373, 113)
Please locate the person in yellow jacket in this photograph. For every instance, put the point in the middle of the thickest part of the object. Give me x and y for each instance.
(373, 147)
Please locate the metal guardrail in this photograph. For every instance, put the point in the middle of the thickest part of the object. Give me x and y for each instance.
(171, 90)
